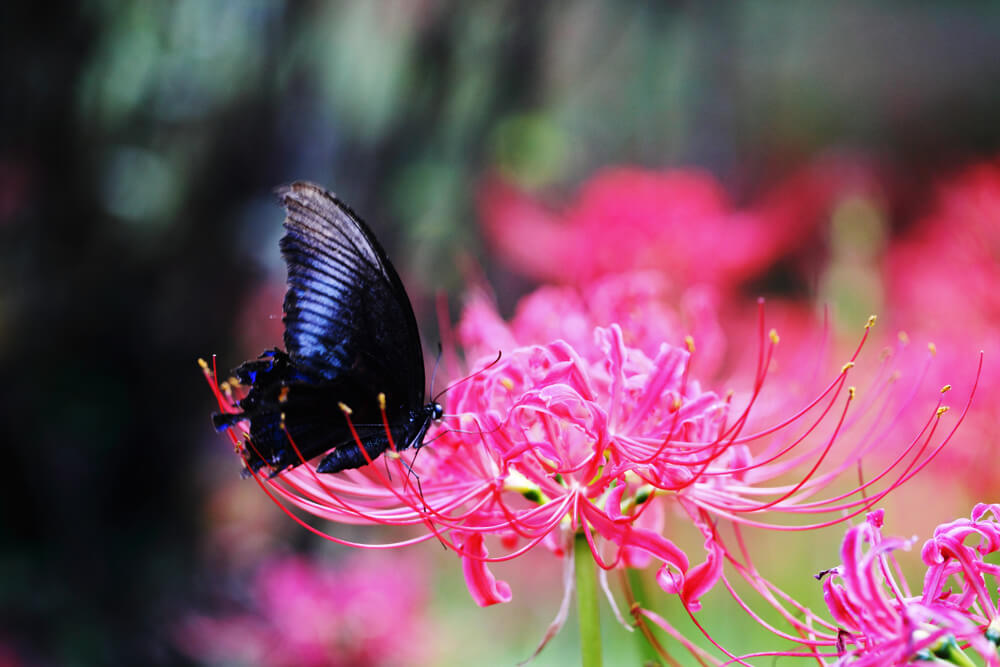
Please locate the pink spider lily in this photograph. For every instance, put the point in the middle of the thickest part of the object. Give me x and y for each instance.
(548, 443)
(876, 620)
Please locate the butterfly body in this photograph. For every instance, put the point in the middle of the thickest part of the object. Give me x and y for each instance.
(351, 341)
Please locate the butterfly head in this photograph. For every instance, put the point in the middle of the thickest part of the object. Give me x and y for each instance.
(434, 410)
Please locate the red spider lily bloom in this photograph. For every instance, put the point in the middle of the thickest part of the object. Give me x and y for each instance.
(549, 442)
(302, 613)
(672, 221)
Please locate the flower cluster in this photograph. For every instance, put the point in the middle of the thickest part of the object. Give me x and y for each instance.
(607, 418)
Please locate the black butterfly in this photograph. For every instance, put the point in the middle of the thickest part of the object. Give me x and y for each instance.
(350, 337)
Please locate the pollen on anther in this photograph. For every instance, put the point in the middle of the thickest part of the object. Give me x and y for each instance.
(943, 409)
(946, 388)
(773, 335)
(203, 364)
(852, 390)
(282, 418)
(846, 367)
(689, 342)
(904, 337)
(508, 385)
(932, 347)
(283, 395)
(343, 408)
(871, 321)
(381, 401)
(676, 404)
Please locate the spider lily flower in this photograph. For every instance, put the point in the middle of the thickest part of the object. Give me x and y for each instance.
(551, 442)
(884, 624)
(874, 618)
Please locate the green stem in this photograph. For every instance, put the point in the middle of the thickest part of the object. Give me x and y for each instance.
(647, 652)
(586, 600)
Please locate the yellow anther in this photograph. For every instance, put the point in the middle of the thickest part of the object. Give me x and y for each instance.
(943, 409)
(234, 381)
(689, 341)
(676, 405)
(846, 367)
(343, 408)
(932, 347)
(203, 364)
(871, 321)
(224, 388)
(282, 420)
(773, 335)
(283, 395)
(904, 337)
(851, 391)
(507, 383)
(381, 401)
(945, 388)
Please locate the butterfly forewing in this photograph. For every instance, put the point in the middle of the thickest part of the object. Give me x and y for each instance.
(346, 312)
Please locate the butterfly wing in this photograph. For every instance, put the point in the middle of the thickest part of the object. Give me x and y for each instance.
(350, 335)
(347, 316)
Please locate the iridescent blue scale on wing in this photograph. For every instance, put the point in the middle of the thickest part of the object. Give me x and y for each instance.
(350, 335)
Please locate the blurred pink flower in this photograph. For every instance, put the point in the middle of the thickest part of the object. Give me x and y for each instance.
(678, 222)
(951, 258)
(302, 613)
(941, 279)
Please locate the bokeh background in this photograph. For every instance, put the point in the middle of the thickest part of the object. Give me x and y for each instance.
(139, 147)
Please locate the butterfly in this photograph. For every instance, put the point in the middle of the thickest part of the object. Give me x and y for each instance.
(351, 343)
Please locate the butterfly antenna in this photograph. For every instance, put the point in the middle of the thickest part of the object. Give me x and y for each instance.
(478, 431)
(469, 377)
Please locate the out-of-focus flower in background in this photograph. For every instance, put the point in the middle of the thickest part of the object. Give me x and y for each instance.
(679, 222)
(363, 610)
(941, 280)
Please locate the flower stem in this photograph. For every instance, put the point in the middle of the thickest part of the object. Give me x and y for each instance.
(586, 599)
(647, 651)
